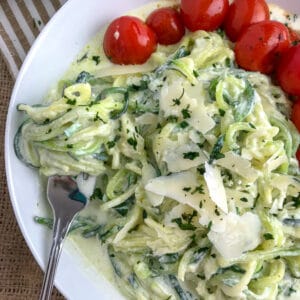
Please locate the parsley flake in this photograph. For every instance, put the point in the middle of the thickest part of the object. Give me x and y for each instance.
(268, 236)
(71, 102)
(133, 142)
(190, 155)
(184, 124)
(186, 113)
(96, 59)
(187, 189)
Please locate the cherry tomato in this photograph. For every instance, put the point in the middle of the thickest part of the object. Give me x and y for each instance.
(260, 46)
(295, 117)
(128, 40)
(243, 13)
(203, 14)
(288, 71)
(166, 23)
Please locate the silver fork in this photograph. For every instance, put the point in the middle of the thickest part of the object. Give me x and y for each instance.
(66, 201)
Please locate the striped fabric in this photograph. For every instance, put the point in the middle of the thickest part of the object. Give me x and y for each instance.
(20, 23)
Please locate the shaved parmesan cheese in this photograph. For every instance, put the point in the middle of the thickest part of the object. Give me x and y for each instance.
(175, 186)
(173, 99)
(239, 165)
(199, 119)
(215, 186)
(232, 237)
(174, 157)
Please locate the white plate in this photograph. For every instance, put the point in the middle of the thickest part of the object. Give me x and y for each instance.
(56, 47)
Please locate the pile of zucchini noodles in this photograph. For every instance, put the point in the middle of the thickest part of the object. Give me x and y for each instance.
(195, 173)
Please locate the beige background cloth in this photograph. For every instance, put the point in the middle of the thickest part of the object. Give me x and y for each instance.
(20, 23)
(20, 276)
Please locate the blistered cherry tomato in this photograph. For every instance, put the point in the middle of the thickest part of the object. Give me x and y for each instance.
(128, 40)
(288, 72)
(260, 46)
(295, 117)
(243, 13)
(203, 14)
(167, 24)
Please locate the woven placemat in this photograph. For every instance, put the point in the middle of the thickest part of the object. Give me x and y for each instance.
(20, 276)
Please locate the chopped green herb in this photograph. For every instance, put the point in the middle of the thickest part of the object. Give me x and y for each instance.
(183, 226)
(83, 77)
(83, 57)
(233, 268)
(216, 151)
(201, 170)
(172, 119)
(186, 189)
(222, 112)
(124, 207)
(296, 201)
(244, 199)
(71, 102)
(96, 59)
(177, 101)
(228, 62)
(289, 291)
(268, 236)
(220, 32)
(196, 74)
(98, 118)
(111, 144)
(190, 155)
(184, 124)
(209, 225)
(97, 194)
(198, 189)
(186, 113)
(212, 88)
(133, 142)
(47, 121)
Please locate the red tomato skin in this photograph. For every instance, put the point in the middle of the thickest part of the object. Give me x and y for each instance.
(203, 14)
(288, 72)
(243, 13)
(295, 117)
(298, 156)
(167, 24)
(128, 40)
(260, 46)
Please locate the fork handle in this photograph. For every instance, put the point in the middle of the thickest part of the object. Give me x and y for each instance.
(60, 230)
